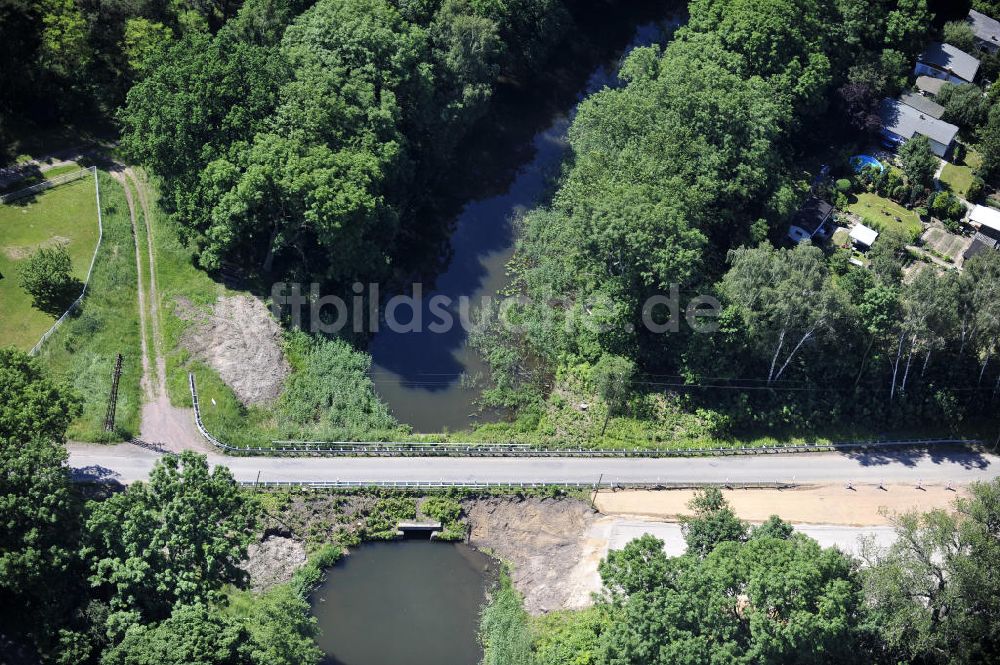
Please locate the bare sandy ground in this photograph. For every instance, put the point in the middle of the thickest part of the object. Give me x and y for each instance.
(865, 505)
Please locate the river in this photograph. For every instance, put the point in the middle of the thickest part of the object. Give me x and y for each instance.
(423, 376)
(413, 602)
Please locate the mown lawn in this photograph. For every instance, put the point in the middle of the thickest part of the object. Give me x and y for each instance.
(882, 214)
(65, 215)
(958, 179)
(83, 349)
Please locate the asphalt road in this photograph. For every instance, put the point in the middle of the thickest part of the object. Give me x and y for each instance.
(127, 463)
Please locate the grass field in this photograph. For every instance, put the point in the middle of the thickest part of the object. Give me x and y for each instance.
(881, 214)
(67, 215)
(83, 349)
(958, 179)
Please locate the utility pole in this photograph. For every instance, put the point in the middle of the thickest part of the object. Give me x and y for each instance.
(597, 487)
(109, 418)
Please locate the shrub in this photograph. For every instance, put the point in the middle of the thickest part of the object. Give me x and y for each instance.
(47, 277)
(844, 185)
(976, 189)
(947, 207)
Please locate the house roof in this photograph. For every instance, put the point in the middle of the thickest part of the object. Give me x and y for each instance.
(930, 84)
(864, 235)
(812, 214)
(986, 216)
(951, 59)
(922, 104)
(984, 27)
(906, 121)
(980, 244)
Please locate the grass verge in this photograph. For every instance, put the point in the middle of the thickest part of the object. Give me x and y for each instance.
(83, 349)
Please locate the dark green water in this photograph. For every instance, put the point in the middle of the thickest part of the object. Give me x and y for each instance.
(404, 603)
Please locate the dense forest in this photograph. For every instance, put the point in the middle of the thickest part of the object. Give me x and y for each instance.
(687, 177)
(295, 140)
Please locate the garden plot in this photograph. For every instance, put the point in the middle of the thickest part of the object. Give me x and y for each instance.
(944, 243)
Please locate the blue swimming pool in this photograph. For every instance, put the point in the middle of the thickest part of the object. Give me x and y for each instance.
(859, 162)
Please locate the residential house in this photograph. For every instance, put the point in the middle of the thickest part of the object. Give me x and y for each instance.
(986, 30)
(929, 85)
(901, 122)
(947, 62)
(922, 104)
(863, 237)
(811, 220)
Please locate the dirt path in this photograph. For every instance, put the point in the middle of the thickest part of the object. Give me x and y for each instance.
(865, 505)
(154, 294)
(146, 383)
(164, 426)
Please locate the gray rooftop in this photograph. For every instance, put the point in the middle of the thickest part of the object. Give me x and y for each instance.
(952, 59)
(984, 27)
(922, 104)
(930, 84)
(906, 121)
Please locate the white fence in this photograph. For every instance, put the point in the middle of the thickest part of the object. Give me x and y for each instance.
(48, 184)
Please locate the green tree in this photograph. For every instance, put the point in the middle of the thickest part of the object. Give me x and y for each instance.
(964, 105)
(713, 522)
(933, 595)
(144, 41)
(175, 540)
(989, 146)
(919, 163)
(31, 403)
(191, 635)
(38, 509)
(784, 298)
(47, 276)
(767, 600)
(612, 378)
(959, 33)
(39, 514)
(907, 26)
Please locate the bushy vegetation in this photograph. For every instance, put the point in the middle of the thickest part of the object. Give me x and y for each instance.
(770, 595)
(505, 627)
(138, 576)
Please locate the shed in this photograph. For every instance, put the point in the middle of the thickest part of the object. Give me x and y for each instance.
(863, 237)
(947, 62)
(988, 220)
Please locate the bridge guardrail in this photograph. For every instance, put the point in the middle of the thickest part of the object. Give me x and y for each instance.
(424, 449)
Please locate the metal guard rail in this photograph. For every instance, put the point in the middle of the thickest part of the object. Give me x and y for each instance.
(478, 484)
(423, 449)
